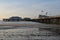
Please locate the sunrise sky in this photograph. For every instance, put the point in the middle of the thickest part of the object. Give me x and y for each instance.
(28, 8)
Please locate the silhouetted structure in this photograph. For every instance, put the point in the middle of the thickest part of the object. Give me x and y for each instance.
(27, 19)
(14, 18)
(50, 20)
(43, 16)
(41, 19)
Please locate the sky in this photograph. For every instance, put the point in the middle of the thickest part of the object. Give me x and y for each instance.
(28, 8)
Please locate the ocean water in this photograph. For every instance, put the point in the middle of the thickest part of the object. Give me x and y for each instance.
(26, 33)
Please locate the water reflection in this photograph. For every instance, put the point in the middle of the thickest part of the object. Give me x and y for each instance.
(27, 34)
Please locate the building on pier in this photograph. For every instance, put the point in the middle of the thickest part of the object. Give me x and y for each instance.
(42, 16)
(13, 18)
(16, 18)
(48, 19)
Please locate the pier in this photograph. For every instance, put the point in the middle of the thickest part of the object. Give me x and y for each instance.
(48, 20)
(45, 20)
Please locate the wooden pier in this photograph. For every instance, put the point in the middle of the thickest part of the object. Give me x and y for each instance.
(49, 20)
